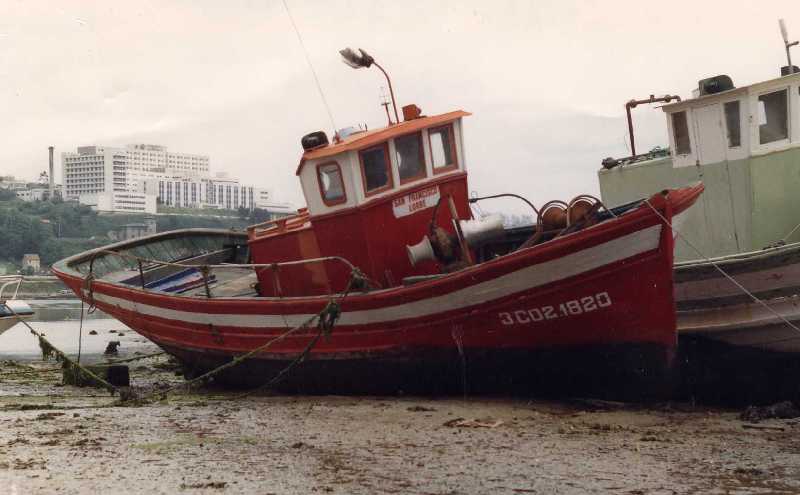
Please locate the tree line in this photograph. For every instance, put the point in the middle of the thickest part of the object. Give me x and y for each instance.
(57, 229)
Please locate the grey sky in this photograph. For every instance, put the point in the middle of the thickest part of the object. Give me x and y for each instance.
(546, 81)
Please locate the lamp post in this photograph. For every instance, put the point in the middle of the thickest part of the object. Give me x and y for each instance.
(787, 44)
(365, 60)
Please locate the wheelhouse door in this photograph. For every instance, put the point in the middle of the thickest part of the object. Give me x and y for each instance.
(718, 199)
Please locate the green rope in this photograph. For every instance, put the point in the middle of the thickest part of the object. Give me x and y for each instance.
(161, 394)
(135, 358)
(326, 319)
(70, 366)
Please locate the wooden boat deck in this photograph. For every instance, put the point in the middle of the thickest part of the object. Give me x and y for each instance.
(230, 282)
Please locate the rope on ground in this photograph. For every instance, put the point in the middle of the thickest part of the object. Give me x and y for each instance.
(135, 358)
(723, 272)
(326, 319)
(49, 350)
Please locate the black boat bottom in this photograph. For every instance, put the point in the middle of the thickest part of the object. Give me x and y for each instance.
(713, 372)
(630, 372)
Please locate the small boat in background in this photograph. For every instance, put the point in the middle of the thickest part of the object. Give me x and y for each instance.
(11, 309)
(743, 143)
(711, 305)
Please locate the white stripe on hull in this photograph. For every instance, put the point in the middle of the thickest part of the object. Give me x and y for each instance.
(519, 281)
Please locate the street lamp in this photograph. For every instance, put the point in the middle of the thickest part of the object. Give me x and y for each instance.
(365, 60)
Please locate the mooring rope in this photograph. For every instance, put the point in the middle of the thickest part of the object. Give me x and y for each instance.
(783, 240)
(80, 333)
(326, 319)
(135, 358)
(723, 272)
(49, 349)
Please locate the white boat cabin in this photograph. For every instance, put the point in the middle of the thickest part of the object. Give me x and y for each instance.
(743, 144)
(735, 123)
(365, 166)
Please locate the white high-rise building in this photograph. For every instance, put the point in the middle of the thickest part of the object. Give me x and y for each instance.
(196, 192)
(154, 158)
(130, 179)
(98, 176)
(94, 170)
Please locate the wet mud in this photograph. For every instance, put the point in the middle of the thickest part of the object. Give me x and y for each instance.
(65, 439)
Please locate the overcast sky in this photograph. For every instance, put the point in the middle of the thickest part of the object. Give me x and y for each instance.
(546, 81)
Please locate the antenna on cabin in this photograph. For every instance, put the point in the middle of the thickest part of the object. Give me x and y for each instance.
(365, 60)
(787, 44)
(385, 103)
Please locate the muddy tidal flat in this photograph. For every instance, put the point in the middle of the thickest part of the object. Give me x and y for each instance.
(64, 439)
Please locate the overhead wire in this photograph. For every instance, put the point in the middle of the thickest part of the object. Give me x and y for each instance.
(310, 65)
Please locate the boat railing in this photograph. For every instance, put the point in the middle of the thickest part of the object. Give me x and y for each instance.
(10, 280)
(205, 268)
(278, 225)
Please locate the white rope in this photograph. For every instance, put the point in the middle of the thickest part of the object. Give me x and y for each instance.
(733, 281)
(790, 233)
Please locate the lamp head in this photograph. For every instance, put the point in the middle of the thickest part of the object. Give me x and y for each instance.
(356, 60)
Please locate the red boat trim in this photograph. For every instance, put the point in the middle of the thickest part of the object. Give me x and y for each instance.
(196, 310)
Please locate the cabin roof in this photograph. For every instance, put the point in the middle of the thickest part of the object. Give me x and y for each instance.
(710, 98)
(365, 139)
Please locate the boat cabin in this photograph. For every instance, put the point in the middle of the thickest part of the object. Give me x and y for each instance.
(734, 123)
(369, 194)
(744, 145)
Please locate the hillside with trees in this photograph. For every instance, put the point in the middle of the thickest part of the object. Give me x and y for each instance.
(59, 229)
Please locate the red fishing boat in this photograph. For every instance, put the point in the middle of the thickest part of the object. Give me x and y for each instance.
(592, 287)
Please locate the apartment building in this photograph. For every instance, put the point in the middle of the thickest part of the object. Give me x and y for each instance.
(155, 158)
(130, 179)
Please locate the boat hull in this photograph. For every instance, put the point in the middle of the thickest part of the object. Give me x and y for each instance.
(711, 306)
(624, 371)
(607, 287)
(11, 311)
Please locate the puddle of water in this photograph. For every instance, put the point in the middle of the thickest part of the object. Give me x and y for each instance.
(59, 321)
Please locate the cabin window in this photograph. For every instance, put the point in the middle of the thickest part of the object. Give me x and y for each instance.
(680, 128)
(443, 148)
(410, 158)
(331, 185)
(773, 117)
(732, 124)
(375, 169)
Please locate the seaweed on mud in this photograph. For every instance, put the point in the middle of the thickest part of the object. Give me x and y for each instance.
(210, 484)
(48, 351)
(27, 407)
(47, 416)
(781, 410)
